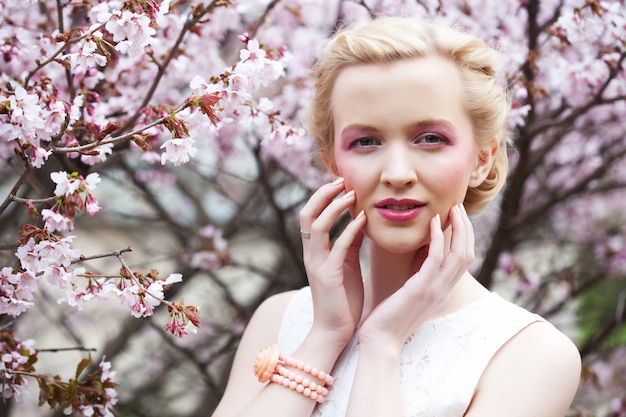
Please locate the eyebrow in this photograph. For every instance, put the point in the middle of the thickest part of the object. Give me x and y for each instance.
(420, 124)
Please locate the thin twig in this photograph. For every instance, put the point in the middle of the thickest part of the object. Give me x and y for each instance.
(31, 200)
(52, 57)
(116, 253)
(115, 139)
(20, 181)
(79, 348)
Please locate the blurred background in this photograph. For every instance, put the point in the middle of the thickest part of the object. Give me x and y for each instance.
(554, 241)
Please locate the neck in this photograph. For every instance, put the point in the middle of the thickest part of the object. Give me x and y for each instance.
(388, 272)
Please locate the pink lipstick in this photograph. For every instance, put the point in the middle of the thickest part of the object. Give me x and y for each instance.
(399, 210)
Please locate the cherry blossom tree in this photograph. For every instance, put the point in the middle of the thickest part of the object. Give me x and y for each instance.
(153, 160)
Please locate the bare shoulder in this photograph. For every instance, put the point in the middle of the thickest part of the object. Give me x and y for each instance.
(535, 374)
(268, 316)
(262, 330)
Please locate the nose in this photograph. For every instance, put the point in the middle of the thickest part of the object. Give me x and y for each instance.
(399, 170)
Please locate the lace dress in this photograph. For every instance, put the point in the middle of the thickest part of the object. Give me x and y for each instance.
(441, 362)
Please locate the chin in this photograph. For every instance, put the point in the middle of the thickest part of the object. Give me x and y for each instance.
(398, 243)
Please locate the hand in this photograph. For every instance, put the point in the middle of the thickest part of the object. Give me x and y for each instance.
(424, 293)
(334, 273)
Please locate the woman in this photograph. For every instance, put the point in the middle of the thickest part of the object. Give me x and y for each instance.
(411, 122)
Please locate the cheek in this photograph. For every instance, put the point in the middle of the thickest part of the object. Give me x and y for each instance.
(453, 173)
(353, 180)
(345, 168)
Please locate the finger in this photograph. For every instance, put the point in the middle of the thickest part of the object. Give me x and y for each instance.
(320, 228)
(319, 201)
(470, 232)
(460, 255)
(347, 245)
(462, 240)
(458, 238)
(435, 255)
(314, 206)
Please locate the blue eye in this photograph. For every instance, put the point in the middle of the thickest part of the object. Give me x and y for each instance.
(431, 139)
(365, 142)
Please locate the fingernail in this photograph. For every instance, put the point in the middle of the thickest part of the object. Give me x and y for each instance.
(338, 181)
(349, 194)
(361, 214)
(438, 219)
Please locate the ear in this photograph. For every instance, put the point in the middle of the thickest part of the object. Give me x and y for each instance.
(484, 161)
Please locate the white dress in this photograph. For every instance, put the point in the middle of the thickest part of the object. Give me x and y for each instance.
(441, 362)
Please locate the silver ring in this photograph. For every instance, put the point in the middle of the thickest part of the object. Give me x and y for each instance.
(305, 235)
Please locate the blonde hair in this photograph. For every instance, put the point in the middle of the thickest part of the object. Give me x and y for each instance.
(390, 39)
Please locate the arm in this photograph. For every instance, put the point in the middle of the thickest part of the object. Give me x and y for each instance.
(245, 395)
(535, 374)
(261, 330)
(336, 286)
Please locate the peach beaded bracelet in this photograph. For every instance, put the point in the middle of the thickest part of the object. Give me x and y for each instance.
(269, 365)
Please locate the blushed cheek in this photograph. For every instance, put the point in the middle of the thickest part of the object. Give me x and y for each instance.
(350, 175)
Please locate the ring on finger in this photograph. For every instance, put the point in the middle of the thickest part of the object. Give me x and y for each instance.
(305, 235)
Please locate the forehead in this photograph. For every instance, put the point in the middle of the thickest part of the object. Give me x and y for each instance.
(403, 92)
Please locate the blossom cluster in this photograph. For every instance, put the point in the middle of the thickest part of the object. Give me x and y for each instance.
(142, 293)
(43, 254)
(16, 362)
(74, 195)
(183, 319)
(92, 395)
(40, 118)
(16, 291)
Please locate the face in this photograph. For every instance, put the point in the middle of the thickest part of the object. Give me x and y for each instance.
(404, 143)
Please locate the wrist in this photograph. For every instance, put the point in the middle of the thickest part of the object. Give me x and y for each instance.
(324, 343)
(379, 345)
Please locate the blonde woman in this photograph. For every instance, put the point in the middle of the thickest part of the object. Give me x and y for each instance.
(411, 122)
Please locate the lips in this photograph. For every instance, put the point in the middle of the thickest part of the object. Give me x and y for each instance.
(398, 207)
(395, 204)
(399, 210)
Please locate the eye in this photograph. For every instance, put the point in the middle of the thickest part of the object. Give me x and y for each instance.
(364, 142)
(431, 139)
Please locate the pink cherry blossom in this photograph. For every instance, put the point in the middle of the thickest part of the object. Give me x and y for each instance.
(56, 222)
(86, 55)
(207, 259)
(37, 256)
(178, 151)
(131, 31)
(91, 205)
(16, 291)
(253, 55)
(38, 156)
(25, 110)
(65, 185)
(12, 359)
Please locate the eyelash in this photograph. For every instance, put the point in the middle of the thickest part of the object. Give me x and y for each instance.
(359, 142)
(440, 138)
(373, 141)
